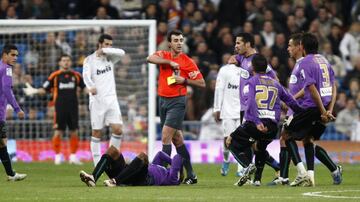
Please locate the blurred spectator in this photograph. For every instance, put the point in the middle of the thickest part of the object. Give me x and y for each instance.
(80, 48)
(354, 88)
(4, 4)
(345, 118)
(248, 27)
(269, 16)
(101, 14)
(340, 103)
(300, 18)
(268, 34)
(150, 12)
(168, 13)
(198, 22)
(49, 54)
(291, 26)
(17, 75)
(32, 58)
(358, 100)
(355, 73)
(279, 49)
(130, 9)
(334, 38)
(355, 12)
(70, 9)
(226, 45)
(355, 135)
(315, 29)
(209, 12)
(350, 44)
(161, 32)
(231, 12)
(334, 60)
(111, 11)
(206, 58)
(62, 43)
(326, 20)
(312, 9)
(38, 9)
(280, 69)
(11, 13)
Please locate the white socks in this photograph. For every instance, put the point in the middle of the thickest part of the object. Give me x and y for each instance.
(240, 168)
(301, 168)
(115, 141)
(95, 147)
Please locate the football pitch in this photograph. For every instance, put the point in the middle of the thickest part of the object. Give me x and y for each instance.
(47, 182)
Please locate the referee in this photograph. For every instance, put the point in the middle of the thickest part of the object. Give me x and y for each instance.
(177, 71)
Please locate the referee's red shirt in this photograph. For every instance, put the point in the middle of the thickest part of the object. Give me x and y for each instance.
(188, 69)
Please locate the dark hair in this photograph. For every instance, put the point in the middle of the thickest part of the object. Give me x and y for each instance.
(310, 43)
(103, 37)
(246, 37)
(7, 48)
(173, 32)
(259, 63)
(64, 56)
(296, 38)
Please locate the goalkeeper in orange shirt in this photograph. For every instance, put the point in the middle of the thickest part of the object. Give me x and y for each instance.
(63, 84)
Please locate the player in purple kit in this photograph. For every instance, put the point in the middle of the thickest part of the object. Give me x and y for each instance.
(244, 47)
(261, 119)
(319, 99)
(138, 172)
(9, 57)
(296, 84)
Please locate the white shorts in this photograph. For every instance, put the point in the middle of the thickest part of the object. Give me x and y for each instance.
(104, 111)
(230, 125)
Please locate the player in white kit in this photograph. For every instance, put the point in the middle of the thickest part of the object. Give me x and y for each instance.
(98, 74)
(227, 107)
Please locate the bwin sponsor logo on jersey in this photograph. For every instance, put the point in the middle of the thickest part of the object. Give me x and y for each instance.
(231, 86)
(103, 71)
(69, 85)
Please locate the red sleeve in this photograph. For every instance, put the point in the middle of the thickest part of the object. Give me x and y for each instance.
(194, 72)
(160, 53)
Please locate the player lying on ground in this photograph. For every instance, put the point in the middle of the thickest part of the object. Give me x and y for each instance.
(262, 114)
(138, 172)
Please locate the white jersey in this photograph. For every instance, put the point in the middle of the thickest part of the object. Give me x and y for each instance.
(98, 72)
(227, 96)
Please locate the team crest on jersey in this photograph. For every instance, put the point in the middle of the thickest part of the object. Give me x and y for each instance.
(293, 79)
(244, 74)
(193, 74)
(246, 89)
(8, 72)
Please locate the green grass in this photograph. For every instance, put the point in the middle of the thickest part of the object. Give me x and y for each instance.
(47, 182)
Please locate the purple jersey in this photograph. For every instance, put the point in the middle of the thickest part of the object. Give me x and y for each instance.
(6, 93)
(317, 71)
(162, 175)
(265, 94)
(246, 72)
(296, 82)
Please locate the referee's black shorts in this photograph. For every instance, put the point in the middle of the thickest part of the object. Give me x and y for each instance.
(66, 115)
(306, 123)
(3, 130)
(172, 111)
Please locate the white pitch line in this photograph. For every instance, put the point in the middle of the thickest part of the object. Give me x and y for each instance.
(320, 194)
